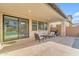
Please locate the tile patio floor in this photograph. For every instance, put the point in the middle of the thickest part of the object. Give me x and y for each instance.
(69, 41)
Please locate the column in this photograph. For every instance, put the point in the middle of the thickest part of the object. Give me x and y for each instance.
(49, 26)
(63, 28)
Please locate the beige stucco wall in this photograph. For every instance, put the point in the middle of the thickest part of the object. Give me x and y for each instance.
(1, 28)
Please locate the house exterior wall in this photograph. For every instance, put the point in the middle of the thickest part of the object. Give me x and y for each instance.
(31, 33)
(60, 27)
(1, 28)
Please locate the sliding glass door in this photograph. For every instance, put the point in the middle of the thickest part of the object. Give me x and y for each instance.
(10, 28)
(14, 28)
(23, 28)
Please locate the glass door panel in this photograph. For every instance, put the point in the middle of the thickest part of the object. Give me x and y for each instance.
(10, 28)
(23, 28)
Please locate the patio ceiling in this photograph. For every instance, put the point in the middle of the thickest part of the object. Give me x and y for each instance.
(34, 11)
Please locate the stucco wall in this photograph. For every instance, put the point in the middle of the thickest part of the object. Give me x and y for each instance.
(1, 28)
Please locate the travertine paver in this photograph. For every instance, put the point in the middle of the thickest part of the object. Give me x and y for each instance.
(69, 41)
(45, 49)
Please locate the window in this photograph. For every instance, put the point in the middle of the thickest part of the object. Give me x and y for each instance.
(34, 25)
(14, 28)
(41, 25)
(45, 26)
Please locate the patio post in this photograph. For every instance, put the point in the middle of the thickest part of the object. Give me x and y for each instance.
(63, 28)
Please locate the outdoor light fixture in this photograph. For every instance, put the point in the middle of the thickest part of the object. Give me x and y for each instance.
(29, 11)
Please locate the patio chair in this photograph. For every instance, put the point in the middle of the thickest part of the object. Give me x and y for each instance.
(51, 35)
(37, 37)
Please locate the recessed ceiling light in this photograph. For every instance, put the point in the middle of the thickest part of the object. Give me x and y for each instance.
(29, 11)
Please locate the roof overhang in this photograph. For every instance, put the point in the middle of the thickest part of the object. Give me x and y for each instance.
(57, 9)
(36, 11)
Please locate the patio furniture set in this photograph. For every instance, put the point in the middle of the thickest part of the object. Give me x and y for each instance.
(44, 36)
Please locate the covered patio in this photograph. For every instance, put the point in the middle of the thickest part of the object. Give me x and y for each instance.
(19, 22)
(38, 18)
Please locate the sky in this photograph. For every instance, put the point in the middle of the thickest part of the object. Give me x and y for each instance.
(70, 9)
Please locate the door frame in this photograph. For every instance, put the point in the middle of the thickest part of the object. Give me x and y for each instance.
(25, 28)
(18, 27)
